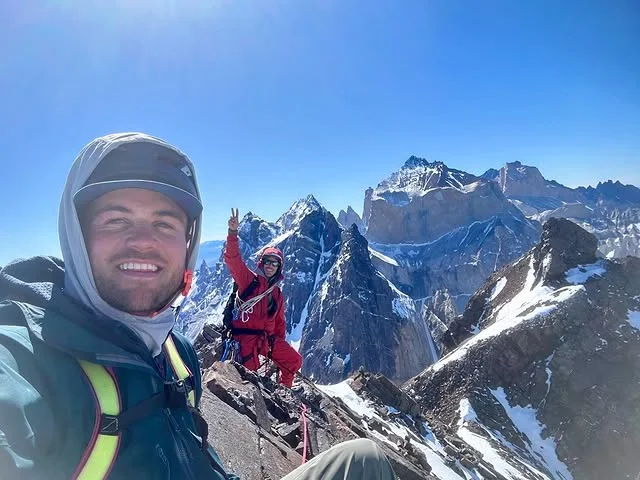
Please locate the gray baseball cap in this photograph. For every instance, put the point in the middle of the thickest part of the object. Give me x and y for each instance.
(144, 165)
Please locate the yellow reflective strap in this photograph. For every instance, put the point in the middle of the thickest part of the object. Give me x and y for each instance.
(178, 365)
(101, 453)
(101, 459)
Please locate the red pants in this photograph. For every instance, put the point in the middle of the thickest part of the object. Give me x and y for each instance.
(284, 355)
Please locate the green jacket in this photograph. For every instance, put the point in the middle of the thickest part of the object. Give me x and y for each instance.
(47, 409)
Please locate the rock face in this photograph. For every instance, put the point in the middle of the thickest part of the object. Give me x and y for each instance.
(555, 338)
(346, 219)
(358, 318)
(611, 211)
(424, 201)
(435, 231)
(310, 239)
(527, 183)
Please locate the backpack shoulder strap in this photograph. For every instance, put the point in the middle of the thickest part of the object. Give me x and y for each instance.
(250, 288)
(101, 453)
(181, 369)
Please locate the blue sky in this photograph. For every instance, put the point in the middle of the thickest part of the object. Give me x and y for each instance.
(274, 100)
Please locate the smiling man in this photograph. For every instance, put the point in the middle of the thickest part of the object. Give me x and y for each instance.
(94, 382)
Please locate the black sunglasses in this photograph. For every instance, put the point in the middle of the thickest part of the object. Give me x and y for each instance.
(275, 263)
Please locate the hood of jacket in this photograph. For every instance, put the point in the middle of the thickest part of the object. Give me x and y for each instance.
(78, 277)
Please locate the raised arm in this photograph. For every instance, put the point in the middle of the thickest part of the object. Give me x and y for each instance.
(241, 274)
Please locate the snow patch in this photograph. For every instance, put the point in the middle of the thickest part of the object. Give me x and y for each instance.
(525, 420)
(481, 444)
(438, 467)
(582, 273)
(351, 399)
(383, 257)
(431, 448)
(279, 239)
(529, 303)
(404, 307)
(497, 288)
(634, 319)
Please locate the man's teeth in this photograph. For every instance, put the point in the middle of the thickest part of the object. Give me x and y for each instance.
(140, 267)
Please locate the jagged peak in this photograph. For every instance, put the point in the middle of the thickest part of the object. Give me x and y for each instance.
(490, 174)
(204, 267)
(349, 211)
(300, 209)
(612, 191)
(354, 248)
(610, 183)
(521, 168)
(418, 175)
(308, 201)
(416, 162)
(312, 201)
(563, 245)
(251, 222)
(352, 230)
(250, 217)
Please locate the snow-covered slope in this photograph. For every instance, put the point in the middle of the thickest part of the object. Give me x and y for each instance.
(545, 372)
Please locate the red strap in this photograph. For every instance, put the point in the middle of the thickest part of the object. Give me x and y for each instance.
(188, 279)
(304, 423)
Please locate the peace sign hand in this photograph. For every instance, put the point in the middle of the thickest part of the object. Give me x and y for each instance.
(233, 220)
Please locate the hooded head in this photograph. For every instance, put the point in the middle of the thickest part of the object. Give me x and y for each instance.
(156, 170)
(266, 259)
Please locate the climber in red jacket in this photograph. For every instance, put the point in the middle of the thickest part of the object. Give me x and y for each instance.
(258, 321)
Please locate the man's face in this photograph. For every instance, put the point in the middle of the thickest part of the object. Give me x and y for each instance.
(137, 245)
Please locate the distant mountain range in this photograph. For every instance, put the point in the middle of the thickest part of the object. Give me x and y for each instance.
(541, 381)
(210, 252)
(385, 290)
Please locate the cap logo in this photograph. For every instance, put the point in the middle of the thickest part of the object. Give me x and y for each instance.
(187, 171)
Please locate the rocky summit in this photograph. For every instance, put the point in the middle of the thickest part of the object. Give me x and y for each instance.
(546, 363)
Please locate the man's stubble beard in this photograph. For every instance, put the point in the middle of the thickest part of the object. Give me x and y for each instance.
(138, 301)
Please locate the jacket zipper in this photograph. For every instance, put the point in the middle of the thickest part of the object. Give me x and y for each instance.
(178, 438)
(163, 457)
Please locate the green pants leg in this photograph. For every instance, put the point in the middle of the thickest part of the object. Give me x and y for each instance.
(352, 460)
